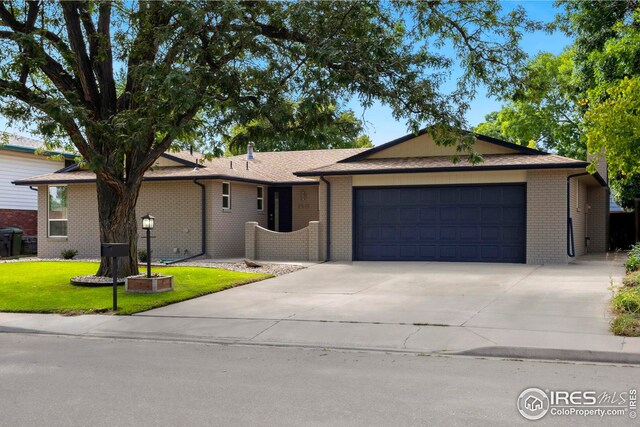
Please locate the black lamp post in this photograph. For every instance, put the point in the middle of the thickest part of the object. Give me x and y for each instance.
(147, 224)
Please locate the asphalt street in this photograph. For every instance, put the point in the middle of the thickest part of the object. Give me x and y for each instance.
(72, 381)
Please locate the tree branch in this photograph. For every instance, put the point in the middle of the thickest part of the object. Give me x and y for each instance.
(85, 70)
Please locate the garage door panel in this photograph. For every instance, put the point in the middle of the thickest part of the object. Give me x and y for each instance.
(448, 233)
(490, 253)
(512, 214)
(485, 223)
(429, 195)
(409, 251)
(491, 195)
(428, 214)
(469, 214)
(448, 252)
(512, 195)
(490, 214)
(428, 251)
(428, 232)
(469, 232)
(411, 213)
(408, 233)
(448, 214)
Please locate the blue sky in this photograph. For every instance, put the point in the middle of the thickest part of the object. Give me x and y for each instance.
(381, 126)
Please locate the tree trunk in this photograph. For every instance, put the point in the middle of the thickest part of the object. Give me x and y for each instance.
(117, 216)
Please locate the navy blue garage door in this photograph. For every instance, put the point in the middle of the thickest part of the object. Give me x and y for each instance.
(479, 223)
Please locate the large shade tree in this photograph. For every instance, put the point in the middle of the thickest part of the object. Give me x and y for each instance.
(585, 100)
(121, 82)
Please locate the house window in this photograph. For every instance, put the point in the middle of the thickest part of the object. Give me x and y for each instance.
(260, 198)
(226, 195)
(58, 211)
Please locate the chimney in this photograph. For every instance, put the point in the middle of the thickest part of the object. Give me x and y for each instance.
(599, 161)
(250, 151)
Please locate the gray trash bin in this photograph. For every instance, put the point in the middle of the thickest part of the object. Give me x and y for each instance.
(16, 241)
(29, 245)
(5, 243)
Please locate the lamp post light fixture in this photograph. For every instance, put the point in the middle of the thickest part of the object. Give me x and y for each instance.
(148, 222)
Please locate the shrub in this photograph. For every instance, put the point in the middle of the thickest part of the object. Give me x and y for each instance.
(635, 251)
(142, 255)
(627, 300)
(626, 324)
(632, 264)
(68, 253)
(632, 279)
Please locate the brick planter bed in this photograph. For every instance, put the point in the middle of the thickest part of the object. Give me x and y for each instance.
(147, 285)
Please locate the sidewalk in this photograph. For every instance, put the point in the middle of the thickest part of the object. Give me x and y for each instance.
(486, 342)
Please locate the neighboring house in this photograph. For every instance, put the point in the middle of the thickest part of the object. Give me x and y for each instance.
(404, 200)
(18, 160)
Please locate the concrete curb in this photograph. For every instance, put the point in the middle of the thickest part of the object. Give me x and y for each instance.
(498, 352)
(553, 354)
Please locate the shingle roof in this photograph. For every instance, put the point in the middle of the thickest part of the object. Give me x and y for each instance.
(444, 163)
(22, 143)
(267, 168)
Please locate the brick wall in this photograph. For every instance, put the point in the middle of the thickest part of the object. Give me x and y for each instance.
(299, 245)
(546, 217)
(176, 206)
(177, 209)
(24, 219)
(83, 231)
(598, 219)
(341, 221)
(304, 205)
(228, 225)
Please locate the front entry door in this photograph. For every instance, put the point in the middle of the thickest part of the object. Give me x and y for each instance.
(279, 207)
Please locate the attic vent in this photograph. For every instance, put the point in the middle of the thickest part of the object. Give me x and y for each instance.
(230, 164)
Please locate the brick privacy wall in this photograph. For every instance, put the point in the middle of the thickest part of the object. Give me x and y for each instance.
(341, 218)
(176, 206)
(24, 219)
(546, 217)
(299, 245)
(304, 205)
(578, 210)
(598, 219)
(228, 226)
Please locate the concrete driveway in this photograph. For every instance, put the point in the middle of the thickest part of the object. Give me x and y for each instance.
(551, 298)
(499, 310)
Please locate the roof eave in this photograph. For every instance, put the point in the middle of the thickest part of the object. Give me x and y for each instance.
(172, 178)
(33, 151)
(576, 165)
(520, 148)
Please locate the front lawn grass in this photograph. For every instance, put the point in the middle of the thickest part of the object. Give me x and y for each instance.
(43, 287)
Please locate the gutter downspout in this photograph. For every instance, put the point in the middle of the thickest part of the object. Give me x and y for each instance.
(328, 238)
(571, 245)
(203, 227)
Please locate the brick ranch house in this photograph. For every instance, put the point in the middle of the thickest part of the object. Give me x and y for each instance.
(20, 158)
(401, 201)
